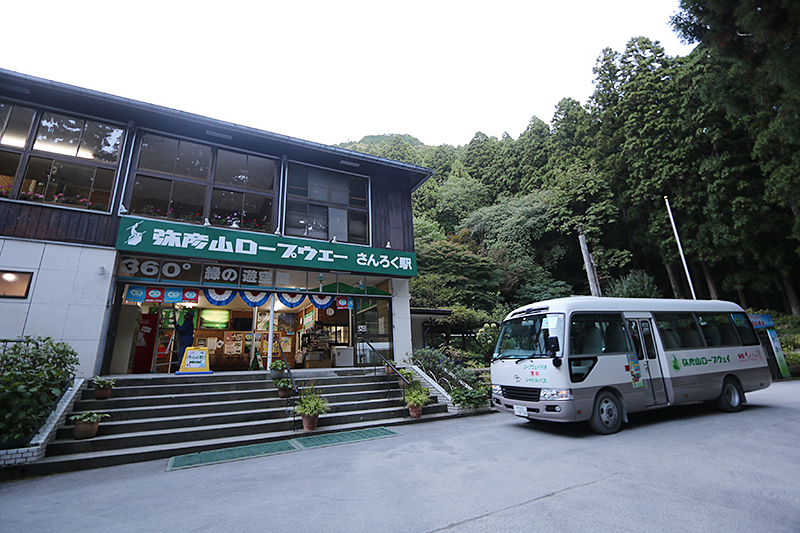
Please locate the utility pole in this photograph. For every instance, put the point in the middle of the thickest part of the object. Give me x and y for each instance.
(591, 271)
(680, 248)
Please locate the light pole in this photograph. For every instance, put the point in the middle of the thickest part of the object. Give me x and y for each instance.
(680, 248)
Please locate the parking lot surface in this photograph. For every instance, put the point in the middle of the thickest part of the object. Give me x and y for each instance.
(688, 468)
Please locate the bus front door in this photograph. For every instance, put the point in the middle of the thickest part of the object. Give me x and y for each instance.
(642, 332)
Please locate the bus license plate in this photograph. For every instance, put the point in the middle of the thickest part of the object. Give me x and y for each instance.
(520, 410)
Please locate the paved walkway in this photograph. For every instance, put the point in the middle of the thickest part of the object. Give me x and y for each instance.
(682, 469)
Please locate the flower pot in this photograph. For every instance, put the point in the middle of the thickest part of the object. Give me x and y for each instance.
(415, 411)
(310, 422)
(284, 393)
(102, 394)
(85, 430)
(389, 370)
(275, 375)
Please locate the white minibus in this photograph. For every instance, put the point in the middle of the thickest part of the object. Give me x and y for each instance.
(593, 359)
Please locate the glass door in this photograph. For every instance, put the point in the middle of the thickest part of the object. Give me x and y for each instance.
(373, 330)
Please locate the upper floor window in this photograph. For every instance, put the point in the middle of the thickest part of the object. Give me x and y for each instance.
(193, 182)
(323, 204)
(72, 161)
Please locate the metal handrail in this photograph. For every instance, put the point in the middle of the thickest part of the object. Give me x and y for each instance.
(385, 361)
(288, 369)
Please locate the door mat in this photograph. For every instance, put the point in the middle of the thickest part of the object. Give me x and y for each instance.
(237, 453)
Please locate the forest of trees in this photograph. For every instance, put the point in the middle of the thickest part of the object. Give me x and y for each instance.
(717, 132)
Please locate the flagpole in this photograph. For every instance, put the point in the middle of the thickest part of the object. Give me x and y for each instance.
(680, 248)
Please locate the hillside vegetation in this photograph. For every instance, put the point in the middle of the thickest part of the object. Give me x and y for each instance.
(717, 132)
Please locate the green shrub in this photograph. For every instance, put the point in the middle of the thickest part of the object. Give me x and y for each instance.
(416, 395)
(445, 370)
(470, 398)
(310, 402)
(33, 375)
(637, 284)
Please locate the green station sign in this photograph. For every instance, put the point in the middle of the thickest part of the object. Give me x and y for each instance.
(151, 236)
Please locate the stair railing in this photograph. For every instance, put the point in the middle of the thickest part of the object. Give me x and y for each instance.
(295, 391)
(385, 362)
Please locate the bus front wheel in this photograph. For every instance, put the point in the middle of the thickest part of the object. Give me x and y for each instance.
(731, 399)
(607, 415)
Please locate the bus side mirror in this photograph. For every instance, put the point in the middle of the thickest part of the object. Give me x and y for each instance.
(552, 350)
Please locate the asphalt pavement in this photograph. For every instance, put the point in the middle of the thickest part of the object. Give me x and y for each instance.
(687, 468)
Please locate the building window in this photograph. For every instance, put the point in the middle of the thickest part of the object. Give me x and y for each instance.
(15, 284)
(72, 162)
(322, 204)
(176, 177)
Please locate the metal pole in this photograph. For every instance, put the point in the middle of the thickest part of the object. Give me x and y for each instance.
(271, 333)
(680, 248)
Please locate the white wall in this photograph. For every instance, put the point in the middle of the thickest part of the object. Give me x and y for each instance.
(401, 307)
(67, 299)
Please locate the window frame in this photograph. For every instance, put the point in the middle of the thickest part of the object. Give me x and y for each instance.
(28, 152)
(291, 196)
(208, 183)
(4, 272)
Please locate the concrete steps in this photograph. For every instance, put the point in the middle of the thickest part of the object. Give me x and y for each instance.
(160, 416)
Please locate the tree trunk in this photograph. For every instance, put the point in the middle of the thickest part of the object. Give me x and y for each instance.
(742, 299)
(791, 295)
(591, 273)
(712, 288)
(673, 281)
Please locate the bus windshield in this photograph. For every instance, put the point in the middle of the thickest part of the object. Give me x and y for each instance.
(526, 337)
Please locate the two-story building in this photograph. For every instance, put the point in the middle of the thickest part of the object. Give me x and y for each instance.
(117, 217)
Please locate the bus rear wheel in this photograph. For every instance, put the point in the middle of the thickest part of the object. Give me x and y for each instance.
(607, 415)
(731, 399)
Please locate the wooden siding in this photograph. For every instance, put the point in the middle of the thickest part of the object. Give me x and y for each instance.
(44, 222)
(392, 219)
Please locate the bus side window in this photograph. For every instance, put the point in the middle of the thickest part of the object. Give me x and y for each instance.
(745, 329)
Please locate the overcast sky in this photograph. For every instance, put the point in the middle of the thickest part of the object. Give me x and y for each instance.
(334, 71)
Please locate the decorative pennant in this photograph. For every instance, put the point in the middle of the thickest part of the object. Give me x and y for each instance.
(290, 299)
(135, 294)
(154, 294)
(173, 295)
(190, 295)
(320, 302)
(218, 297)
(254, 298)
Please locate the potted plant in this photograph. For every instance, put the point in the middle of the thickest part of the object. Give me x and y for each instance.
(284, 386)
(102, 387)
(276, 368)
(309, 406)
(86, 424)
(415, 397)
(408, 374)
(388, 368)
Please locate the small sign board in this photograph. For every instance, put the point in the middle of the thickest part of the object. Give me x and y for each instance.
(195, 361)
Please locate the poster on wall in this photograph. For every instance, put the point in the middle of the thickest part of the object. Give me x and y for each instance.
(233, 343)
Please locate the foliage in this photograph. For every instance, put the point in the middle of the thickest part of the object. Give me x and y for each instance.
(33, 375)
(470, 398)
(407, 374)
(636, 284)
(104, 383)
(310, 403)
(284, 383)
(89, 416)
(445, 370)
(459, 275)
(416, 395)
(277, 364)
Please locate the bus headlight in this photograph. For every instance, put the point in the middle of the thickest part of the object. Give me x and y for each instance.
(555, 394)
(497, 391)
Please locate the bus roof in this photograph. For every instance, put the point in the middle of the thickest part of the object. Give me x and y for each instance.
(600, 305)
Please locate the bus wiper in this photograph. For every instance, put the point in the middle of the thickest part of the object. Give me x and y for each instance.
(531, 356)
